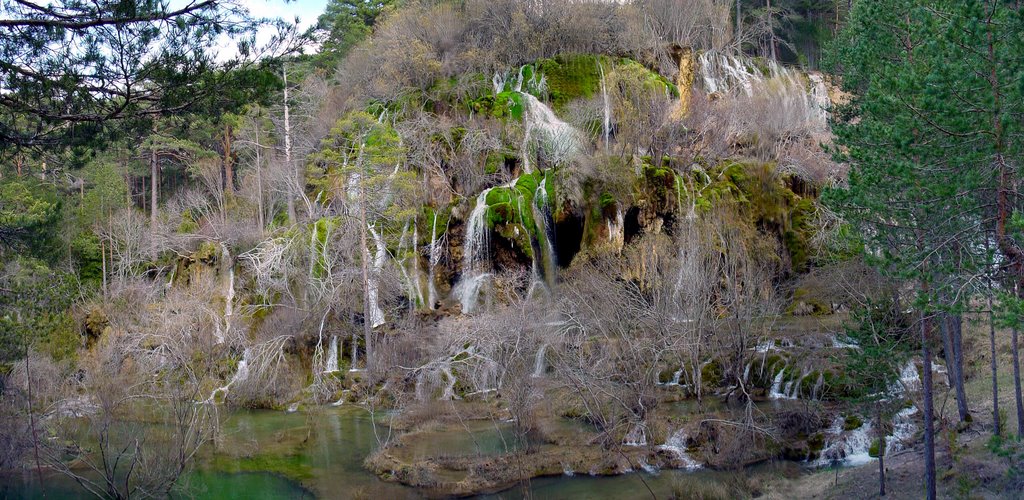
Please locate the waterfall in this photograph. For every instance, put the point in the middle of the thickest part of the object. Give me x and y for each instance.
(807, 95)
(746, 372)
(559, 141)
(373, 279)
(676, 444)
(412, 283)
(229, 295)
(637, 436)
(776, 385)
(818, 385)
(416, 262)
(819, 95)
(903, 428)
(541, 212)
(332, 356)
(538, 361)
(241, 374)
(449, 388)
(606, 124)
(435, 257)
(498, 82)
(795, 393)
(850, 448)
(616, 229)
(676, 376)
(475, 258)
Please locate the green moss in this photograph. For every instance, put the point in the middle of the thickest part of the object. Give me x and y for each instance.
(805, 303)
(816, 442)
(852, 422)
(711, 373)
(292, 466)
(571, 76)
(207, 252)
(652, 80)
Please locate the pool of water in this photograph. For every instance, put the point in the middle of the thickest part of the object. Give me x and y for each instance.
(319, 454)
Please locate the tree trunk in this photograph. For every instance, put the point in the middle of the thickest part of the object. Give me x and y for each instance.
(949, 325)
(881, 448)
(739, 30)
(103, 258)
(1016, 385)
(259, 182)
(292, 216)
(229, 168)
(995, 376)
(956, 328)
(929, 425)
(154, 174)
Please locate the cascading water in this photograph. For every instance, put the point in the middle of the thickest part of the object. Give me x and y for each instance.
(373, 279)
(775, 393)
(416, 262)
(331, 365)
(229, 295)
(849, 447)
(241, 374)
(541, 213)
(435, 258)
(616, 229)
(538, 362)
(475, 268)
(853, 447)
(676, 444)
(559, 141)
(808, 95)
(637, 436)
(606, 123)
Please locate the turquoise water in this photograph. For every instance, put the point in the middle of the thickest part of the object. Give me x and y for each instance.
(273, 454)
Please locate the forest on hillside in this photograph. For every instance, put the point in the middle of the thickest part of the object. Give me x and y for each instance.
(511, 248)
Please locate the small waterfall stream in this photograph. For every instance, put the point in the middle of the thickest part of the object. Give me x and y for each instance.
(331, 365)
(853, 447)
(241, 374)
(676, 444)
(775, 392)
(229, 295)
(606, 123)
(541, 214)
(435, 258)
(722, 73)
(373, 279)
(475, 258)
(539, 364)
(560, 141)
(417, 281)
(616, 229)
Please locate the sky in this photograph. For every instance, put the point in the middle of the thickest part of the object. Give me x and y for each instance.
(306, 10)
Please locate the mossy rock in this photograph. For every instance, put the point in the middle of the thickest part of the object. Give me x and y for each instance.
(572, 76)
(208, 252)
(816, 442)
(711, 373)
(805, 304)
(519, 237)
(852, 422)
